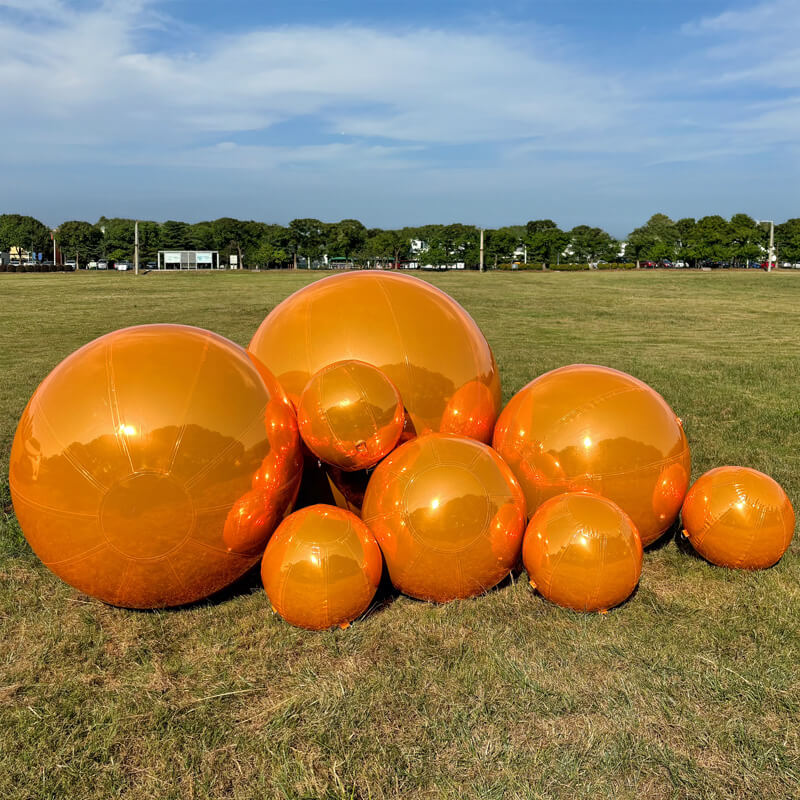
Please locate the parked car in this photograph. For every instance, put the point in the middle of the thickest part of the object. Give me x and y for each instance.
(91, 265)
(102, 265)
(123, 266)
(648, 264)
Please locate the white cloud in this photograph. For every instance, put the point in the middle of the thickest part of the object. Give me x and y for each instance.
(90, 80)
(91, 85)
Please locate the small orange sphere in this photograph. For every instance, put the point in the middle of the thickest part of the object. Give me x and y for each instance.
(321, 568)
(448, 514)
(583, 552)
(591, 428)
(350, 415)
(151, 466)
(418, 336)
(738, 517)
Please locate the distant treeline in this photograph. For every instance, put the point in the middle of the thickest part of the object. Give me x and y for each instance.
(737, 241)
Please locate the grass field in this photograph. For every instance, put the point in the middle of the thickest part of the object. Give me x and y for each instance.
(690, 690)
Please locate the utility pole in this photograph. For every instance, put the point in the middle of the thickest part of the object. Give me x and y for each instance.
(771, 246)
(771, 251)
(481, 261)
(136, 247)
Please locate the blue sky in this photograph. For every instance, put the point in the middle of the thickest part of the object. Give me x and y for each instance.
(586, 111)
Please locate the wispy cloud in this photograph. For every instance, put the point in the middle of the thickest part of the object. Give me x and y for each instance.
(108, 84)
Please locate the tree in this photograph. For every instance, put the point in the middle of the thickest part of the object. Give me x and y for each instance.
(345, 238)
(710, 238)
(545, 241)
(80, 239)
(117, 237)
(500, 244)
(591, 244)
(26, 233)
(656, 240)
(175, 235)
(386, 245)
(684, 243)
(306, 237)
(787, 240)
(266, 254)
(746, 239)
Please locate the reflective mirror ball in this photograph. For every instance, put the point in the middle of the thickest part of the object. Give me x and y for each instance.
(350, 415)
(151, 466)
(738, 517)
(448, 515)
(583, 552)
(585, 427)
(321, 567)
(420, 338)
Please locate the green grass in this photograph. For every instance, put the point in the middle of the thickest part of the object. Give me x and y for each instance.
(690, 690)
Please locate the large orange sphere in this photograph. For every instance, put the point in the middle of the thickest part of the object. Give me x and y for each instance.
(448, 514)
(582, 551)
(738, 517)
(424, 341)
(321, 567)
(593, 428)
(350, 415)
(151, 466)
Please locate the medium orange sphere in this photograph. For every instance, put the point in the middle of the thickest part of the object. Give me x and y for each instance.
(585, 427)
(321, 568)
(350, 415)
(583, 552)
(738, 517)
(448, 514)
(151, 466)
(425, 342)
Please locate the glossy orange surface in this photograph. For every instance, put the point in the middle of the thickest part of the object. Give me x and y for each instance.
(448, 514)
(350, 415)
(585, 427)
(424, 341)
(738, 517)
(321, 567)
(583, 552)
(151, 466)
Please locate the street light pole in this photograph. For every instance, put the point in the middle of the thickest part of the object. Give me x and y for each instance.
(481, 262)
(136, 247)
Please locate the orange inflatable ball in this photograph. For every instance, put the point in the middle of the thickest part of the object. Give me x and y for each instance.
(321, 568)
(425, 342)
(738, 517)
(151, 466)
(350, 415)
(593, 428)
(448, 514)
(582, 551)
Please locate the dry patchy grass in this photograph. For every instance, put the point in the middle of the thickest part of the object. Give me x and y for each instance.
(688, 690)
